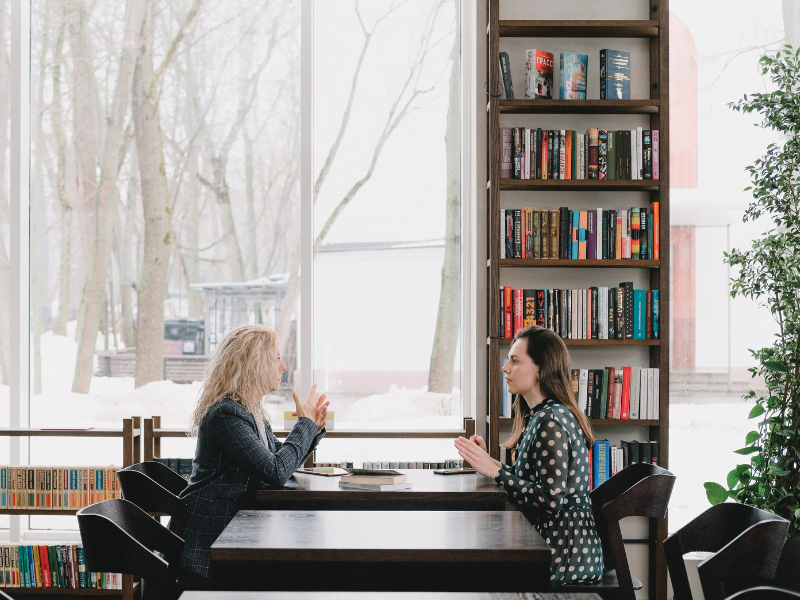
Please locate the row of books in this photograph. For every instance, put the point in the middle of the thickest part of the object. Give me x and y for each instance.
(56, 488)
(182, 466)
(606, 460)
(597, 313)
(59, 566)
(617, 392)
(566, 154)
(587, 234)
(442, 464)
(615, 75)
(610, 393)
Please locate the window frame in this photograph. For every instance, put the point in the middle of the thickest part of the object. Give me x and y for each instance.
(19, 198)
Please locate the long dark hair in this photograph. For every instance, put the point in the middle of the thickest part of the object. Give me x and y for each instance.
(549, 353)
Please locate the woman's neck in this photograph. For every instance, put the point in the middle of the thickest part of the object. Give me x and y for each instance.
(533, 397)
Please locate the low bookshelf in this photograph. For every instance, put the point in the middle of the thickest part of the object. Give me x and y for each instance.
(131, 449)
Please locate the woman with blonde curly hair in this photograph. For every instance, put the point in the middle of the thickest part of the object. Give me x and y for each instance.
(236, 449)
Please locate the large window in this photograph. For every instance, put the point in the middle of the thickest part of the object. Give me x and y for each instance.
(166, 209)
(711, 146)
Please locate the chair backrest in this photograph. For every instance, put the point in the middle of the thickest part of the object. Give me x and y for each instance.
(161, 474)
(764, 592)
(716, 529)
(151, 495)
(787, 575)
(119, 537)
(640, 490)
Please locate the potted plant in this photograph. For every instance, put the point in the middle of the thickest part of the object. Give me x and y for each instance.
(769, 273)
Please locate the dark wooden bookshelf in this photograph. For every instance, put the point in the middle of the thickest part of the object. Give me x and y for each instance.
(544, 263)
(580, 185)
(655, 110)
(580, 29)
(131, 434)
(579, 107)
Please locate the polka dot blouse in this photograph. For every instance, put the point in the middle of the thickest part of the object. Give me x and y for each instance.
(549, 482)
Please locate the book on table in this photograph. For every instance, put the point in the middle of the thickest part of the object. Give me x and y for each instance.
(375, 487)
(385, 478)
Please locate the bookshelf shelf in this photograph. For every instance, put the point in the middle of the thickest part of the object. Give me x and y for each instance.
(40, 432)
(36, 511)
(579, 29)
(544, 263)
(20, 591)
(579, 107)
(507, 421)
(580, 185)
(509, 341)
(652, 63)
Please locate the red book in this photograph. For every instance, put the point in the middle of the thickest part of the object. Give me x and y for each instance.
(648, 332)
(508, 293)
(519, 311)
(626, 392)
(44, 561)
(656, 245)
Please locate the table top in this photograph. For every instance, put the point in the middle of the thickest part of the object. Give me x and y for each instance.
(424, 484)
(380, 536)
(193, 595)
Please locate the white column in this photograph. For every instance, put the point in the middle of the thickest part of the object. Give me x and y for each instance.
(306, 321)
(19, 314)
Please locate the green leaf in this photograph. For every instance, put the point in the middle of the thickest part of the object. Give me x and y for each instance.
(733, 479)
(775, 366)
(752, 437)
(757, 410)
(748, 450)
(715, 492)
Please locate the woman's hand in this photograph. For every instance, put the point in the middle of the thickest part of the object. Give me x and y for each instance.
(315, 408)
(478, 440)
(477, 456)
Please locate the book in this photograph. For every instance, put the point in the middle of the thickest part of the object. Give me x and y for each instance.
(600, 463)
(374, 479)
(375, 487)
(574, 68)
(538, 74)
(615, 75)
(654, 136)
(505, 152)
(505, 75)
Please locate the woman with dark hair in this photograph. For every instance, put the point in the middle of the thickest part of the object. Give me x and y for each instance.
(549, 480)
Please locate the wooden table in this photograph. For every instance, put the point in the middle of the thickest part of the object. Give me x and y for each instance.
(384, 596)
(428, 492)
(485, 551)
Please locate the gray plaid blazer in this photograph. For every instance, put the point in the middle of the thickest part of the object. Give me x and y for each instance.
(230, 463)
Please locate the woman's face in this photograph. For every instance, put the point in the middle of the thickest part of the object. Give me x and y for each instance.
(281, 368)
(520, 371)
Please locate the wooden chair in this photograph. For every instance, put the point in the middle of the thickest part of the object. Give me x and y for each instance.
(787, 575)
(640, 490)
(765, 592)
(746, 542)
(154, 488)
(119, 537)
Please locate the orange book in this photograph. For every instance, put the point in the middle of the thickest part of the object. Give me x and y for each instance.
(582, 226)
(568, 155)
(654, 210)
(619, 236)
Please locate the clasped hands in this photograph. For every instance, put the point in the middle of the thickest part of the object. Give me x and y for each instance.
(473, 450)
(315, 408)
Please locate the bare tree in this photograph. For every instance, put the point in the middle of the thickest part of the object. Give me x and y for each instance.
(405, 101)
(151, 290)
(445, 340)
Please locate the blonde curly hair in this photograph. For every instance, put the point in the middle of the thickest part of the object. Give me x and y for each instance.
(244, 368)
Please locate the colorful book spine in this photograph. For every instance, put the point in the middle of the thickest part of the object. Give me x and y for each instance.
(600, 466)
(538, 74)
(574, 68)
(506, 154)
(505, 75)
(615, 75)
